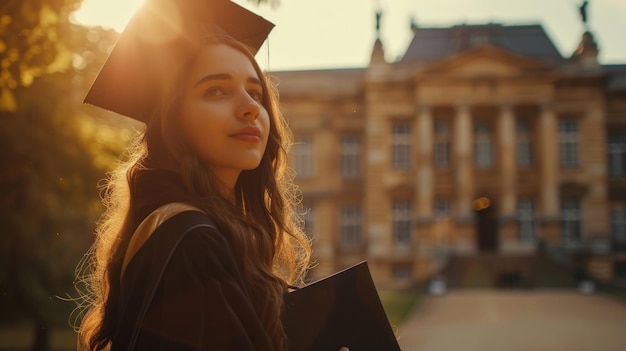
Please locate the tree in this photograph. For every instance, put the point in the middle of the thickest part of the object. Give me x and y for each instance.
(53, 153)
(50, 162)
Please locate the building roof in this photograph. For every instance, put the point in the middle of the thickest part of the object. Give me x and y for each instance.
(436, 43)
(325, 82)
(430, 45)
(617, 77)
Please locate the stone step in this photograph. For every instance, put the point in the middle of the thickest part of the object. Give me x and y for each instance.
(493, 270)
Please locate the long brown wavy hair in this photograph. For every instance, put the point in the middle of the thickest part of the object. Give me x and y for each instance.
(262, 226)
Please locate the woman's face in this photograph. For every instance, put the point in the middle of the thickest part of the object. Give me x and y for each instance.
(222, 116)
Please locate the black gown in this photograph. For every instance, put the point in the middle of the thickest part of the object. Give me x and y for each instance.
(201, 301)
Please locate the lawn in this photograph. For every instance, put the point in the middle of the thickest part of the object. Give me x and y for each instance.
(398, 304)
(20, 336)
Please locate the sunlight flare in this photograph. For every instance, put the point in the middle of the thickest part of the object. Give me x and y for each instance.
(113, 14)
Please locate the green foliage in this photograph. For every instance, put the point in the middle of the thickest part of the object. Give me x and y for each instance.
(49, 198)
(53, 153)
(31, 43)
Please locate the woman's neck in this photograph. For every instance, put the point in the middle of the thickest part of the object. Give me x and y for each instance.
(225, 182)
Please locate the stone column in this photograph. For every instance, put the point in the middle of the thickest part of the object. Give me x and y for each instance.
(463, 133)
(373, 219)
(425, 175)
(549, 165)
(508, 164)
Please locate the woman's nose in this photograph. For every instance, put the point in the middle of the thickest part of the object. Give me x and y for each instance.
(248, 108)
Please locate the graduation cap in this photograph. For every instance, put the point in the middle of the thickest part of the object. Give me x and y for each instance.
(153, 44)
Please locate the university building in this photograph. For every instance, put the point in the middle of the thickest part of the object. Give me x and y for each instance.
(481, 139)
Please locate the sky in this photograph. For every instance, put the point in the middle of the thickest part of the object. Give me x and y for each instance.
(321, 34)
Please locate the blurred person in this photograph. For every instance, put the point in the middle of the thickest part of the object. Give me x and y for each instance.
(199, 241)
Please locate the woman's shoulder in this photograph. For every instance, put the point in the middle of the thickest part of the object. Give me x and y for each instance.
(202, 249)
(188, 239)
(165, 227)
(189, 227)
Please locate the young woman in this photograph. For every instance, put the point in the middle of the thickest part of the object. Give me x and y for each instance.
(199, 242)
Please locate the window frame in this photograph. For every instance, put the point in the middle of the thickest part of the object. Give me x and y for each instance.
(616, 149)
(618, 226)
(302, 152)
(523, 143)
(526, 220)
(483, 144)
(401, 222)
(401, 273)
(401, 145)
(441, 148)
(571, 221)
(350, 227)
(441, 207)
(569, 142)
(350, 157)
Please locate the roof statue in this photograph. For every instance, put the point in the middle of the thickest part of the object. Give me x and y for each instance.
(414, 25)
(379, 15)
(378, 53)
(583, 11)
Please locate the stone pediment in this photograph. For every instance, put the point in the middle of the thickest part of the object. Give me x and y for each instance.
(485, 61)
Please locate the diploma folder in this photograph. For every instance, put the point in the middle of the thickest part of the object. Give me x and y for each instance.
(343, 309)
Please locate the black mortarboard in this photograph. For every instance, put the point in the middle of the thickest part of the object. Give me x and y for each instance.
(126, 83)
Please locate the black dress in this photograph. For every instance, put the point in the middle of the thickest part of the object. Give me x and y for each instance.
(201, 301)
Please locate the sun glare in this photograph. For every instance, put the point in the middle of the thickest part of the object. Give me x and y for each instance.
(113, 14)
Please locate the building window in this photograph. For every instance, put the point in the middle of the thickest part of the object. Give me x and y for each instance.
(401, 148)
(401, 222)
(401, 272)
(617, 155)
(619, 270)
(523, 143)
(526, 221)
(302, 152)
(618, 224)
(350, 227)
(441, 208)
(482, 144)
(308, 220)
(442, 144)
(568, 143)
(350, 154)
(571, 225)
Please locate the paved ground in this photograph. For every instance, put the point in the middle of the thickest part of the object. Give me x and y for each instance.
(540, 320)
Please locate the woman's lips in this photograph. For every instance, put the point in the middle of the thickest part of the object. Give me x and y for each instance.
(249, 134)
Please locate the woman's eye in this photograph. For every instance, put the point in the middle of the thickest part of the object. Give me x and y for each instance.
(214, 91)
(256, 94)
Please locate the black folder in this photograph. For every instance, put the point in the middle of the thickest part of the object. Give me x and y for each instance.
(343, 309)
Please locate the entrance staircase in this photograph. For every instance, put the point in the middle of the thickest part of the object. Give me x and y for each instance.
(487, 270)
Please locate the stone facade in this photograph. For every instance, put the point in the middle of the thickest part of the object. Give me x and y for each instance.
(487, 145)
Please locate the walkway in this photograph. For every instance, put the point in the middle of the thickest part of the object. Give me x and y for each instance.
(496, 320)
